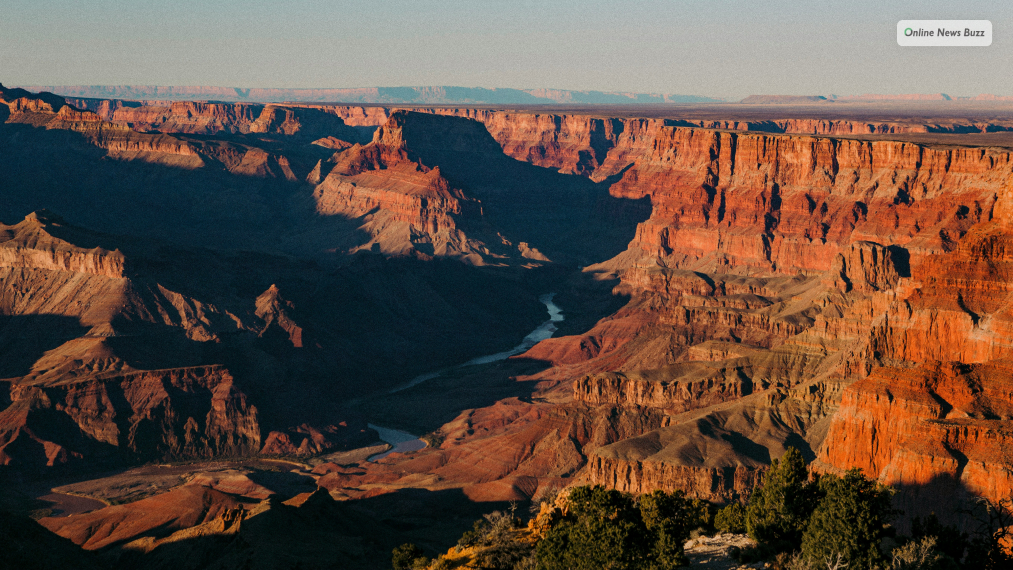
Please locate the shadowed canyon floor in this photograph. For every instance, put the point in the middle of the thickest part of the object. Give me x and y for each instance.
(205, 305)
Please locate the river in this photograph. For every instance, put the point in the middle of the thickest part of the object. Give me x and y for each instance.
(402, 441)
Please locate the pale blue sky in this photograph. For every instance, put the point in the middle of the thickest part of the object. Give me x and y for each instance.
(722, 48)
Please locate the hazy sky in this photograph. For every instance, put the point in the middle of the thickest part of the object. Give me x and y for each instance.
(722, 48)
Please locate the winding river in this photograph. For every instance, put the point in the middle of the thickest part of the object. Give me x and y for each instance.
(402, 441)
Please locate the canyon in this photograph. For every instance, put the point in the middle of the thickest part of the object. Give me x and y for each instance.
(229, 293)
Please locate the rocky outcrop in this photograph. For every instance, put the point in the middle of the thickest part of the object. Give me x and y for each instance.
(28, 245)
(747, 203)
(864, 303)
(307, 440)
(194, 526)
(700, 383)
(673, 396)
(52, 113)
(865, 267)
(214, 118)
(938, 432)
(572, 143)
(509, 451)
(174, 414)
(274, 310)
(78, 398)
(932, 422)
(405, 204)
(181, 508)
(156, 352)
(765, 272)
(719, 485)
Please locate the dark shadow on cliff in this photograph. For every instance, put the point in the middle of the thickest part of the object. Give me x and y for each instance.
(901, 259)
(439, 303)
(30, 546)
(65, 172)
(585, 297)
(362, 329)
(283, 482)
(433, 519)
(366, 325)
(321, 533)
(431, 404)
(949, 498)
(26, 338)
(226, 205)
(567, 217)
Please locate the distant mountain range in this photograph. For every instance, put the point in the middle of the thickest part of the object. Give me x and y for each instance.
(386, 95)
(449, 95)
(868, 97)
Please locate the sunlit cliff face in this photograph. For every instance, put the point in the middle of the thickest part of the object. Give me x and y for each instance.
(252, 280)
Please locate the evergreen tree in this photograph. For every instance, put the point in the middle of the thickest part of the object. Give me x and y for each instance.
(779, 509)
(407, 557)
(603, 530)
(731, 519)
(850, 520)
(669, 518)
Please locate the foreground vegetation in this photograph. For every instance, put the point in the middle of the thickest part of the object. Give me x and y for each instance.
(798, 520)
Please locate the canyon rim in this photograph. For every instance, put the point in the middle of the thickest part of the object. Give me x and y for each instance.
(206, 305)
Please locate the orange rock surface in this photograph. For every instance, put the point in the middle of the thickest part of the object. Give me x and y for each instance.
(178, 509)
(786, 281)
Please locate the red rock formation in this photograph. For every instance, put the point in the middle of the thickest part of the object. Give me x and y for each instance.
(28, 245)
(784, 203)
(676, 396)
(52, 113)
(180, 508)
(721, 484)
(508, 451)
(403, 202)
(141, 414)
(214, 118)
(774, 270)
(938, 432)
(930, 425)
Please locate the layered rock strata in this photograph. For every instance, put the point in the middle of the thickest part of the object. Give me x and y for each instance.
(820, 291)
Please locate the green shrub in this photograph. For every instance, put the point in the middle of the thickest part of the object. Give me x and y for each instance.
(731, 519)
(780, 508)
(603, 530)
(702, 515)
(849, 521)
(606, 529)
(408, 557)
(493, 536)
(503, 556)
(669, 518)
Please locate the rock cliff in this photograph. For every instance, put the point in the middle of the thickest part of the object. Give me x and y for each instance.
(773, 272)
(784, 281)
(116, 351)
